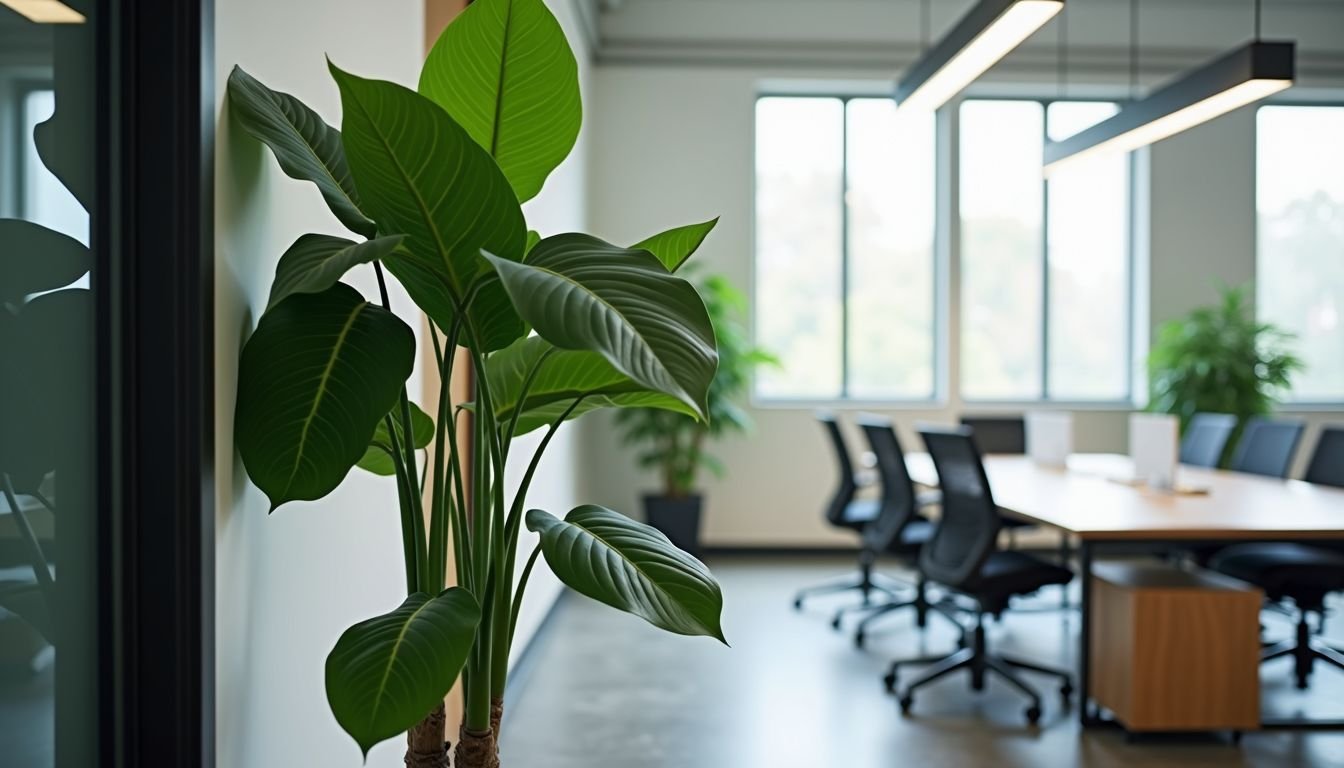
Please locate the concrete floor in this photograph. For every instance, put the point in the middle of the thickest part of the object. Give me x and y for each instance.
(601, 689)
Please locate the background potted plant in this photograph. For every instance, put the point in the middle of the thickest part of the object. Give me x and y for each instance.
(674, 443)
(1220, 359)
(431, 182)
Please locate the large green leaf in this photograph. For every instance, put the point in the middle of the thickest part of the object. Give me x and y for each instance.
(504, 70)
(675, 246)
(630, 566)
(387, 673)
(305, 146)
(36, 259)
(583, 294)
(564, 375)
(314, 263)
(422, 176)
(378, 458)
(316, 377)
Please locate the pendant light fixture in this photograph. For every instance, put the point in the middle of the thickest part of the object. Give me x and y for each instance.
(45, 11)
(982, 37)
(1242, 76)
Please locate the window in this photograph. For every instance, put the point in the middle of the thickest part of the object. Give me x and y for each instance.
(1300, 239)
(1045, 265)
(845, 267)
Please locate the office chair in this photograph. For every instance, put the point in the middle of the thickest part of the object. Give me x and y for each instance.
(1267, 447)
(963, 557)
(1005, 435)
(1299, 573)
(845, 511)
(998, 434)
(1206, 438)
(899, 530)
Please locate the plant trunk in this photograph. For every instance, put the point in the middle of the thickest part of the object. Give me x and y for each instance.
(425, 745)
(477, 749)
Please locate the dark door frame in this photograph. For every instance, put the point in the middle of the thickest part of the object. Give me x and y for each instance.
(155, 249)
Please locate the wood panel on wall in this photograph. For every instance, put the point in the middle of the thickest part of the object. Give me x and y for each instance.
(438, 13)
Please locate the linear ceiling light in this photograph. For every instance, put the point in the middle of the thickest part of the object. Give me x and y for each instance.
(45, 11)
(1246, 75)
(986, 34)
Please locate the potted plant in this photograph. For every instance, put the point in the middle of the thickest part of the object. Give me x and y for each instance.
(673, 443)
(430, 182)
(1220, 359)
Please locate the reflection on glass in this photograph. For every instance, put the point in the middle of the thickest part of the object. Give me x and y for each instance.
(1001, 219)
(891, 222)
(1300, 249)
(48, 518)
(1088, 249)
(799, 160)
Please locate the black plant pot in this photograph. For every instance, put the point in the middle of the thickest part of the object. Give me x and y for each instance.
(678, 518)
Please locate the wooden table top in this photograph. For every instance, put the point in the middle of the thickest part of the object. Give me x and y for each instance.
(1085, 499)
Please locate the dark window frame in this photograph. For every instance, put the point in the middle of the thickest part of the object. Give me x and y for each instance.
(152, 236)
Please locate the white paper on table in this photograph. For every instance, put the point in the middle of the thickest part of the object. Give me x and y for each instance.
(1154, 447)
(1050, 437)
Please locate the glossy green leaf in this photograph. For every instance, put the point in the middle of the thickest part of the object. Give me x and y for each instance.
(632, 567)
(675, 246)
(319, 373)
(423, 177)
(378, 458)
(504, 70)
(564, 376)
(36, 259)
(387, 673)
(305, 146)
(314, 263)
(580, 293)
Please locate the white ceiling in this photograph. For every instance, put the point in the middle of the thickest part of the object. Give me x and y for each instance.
(886, 34)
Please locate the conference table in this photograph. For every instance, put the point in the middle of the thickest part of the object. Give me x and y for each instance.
(1093, 500)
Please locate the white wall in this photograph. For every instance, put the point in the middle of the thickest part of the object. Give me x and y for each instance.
(289, 583)
(676, 145)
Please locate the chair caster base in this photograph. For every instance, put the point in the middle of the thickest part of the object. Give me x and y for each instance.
(835, 623)
(1033, 715)
(798, 604)
(907, 701)
(1066, 692)
(890, 682)
(858, 639)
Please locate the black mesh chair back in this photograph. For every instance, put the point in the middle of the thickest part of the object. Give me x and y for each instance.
(1327, 461)
(1267, 447)
(1205, 439)
(844, 492)
(969, 523)
(998, 434)
(898, 490)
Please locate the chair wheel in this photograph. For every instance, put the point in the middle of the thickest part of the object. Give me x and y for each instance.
(1033, 715)
(907, 701)
(798, 604)
(835, 623)
(1066, 691)
(858, 639)
(890, 682)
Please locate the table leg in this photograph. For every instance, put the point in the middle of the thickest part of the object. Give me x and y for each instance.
(1087, 716)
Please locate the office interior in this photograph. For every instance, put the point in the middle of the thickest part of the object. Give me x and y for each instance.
(1032, 453)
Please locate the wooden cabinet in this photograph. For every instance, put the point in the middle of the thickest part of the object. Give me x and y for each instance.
(1174, 650)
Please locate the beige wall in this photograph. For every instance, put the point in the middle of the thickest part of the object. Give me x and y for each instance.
(676, 145)
(289, 583)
